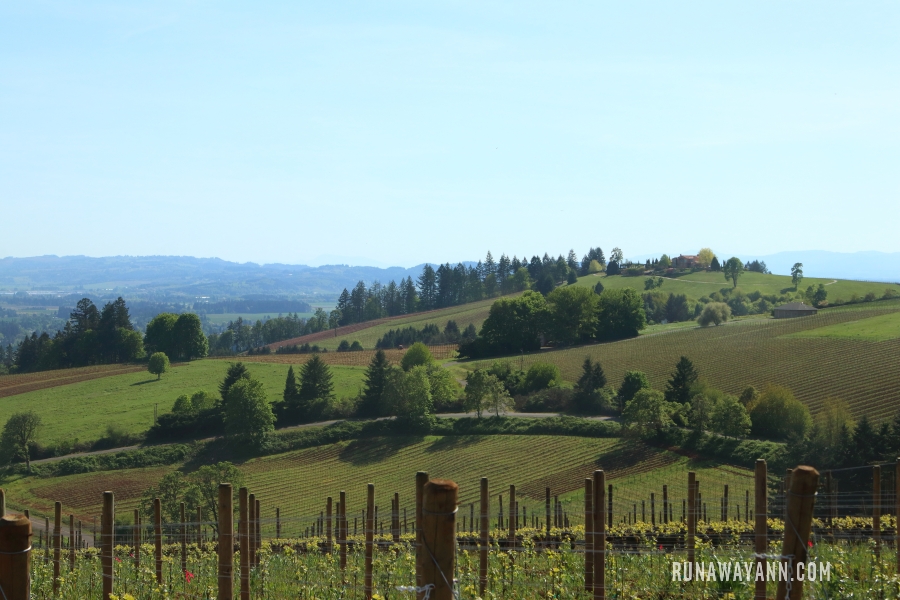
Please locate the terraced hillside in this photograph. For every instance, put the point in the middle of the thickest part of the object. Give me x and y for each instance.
(757, 352)
(298, 482)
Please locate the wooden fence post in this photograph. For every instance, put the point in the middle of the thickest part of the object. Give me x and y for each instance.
(342, 519)
(599, 535)
(653, 510)
(396, 519)
(278, 522)
(328, 540)
(199, 527)
(226, 543)
(801, 501)
(137, 539)
(108, 542)
(183, 533)
(513, 511)
(547, 501)
(725, 504)
(421, 479)
(244, 542)
(691, 515)
(251, 528)
(57, 545)
(665, 503)
(876, 509)
(483, 549)
(760, 512)
(48, 543)
(15, 557)
(438, 537)
(71, 543)
(588, 535)
(370, 539)
(258, 534)
(609, 501)
(897, 512)
(157, 538)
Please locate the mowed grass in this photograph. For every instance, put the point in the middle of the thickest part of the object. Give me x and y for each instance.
(758, 352)
(873, 329)
(299, 482)
(83, 410)
(696, 285)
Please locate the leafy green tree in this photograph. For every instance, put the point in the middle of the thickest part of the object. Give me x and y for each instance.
(632, 383)
(541, 376)
(248, 414)
(705, 258)
(820, 295)
(190, 341)
(485, 391)
(183, 405)
(410, 392)
(831, 419)
(777, 414)
(733, 269)
(515, 325)
(678, 308)
(417, 355)
(235, 372)
(714, 312)
(620, 314)
(587, 399)
(444, 388)
(730, 417)
(316, 389)
(373, 399)
(664, 262)
(573, 314)
(648, 412)
(19, 432)
(158, 364)
(749, 396)
(796, 274)
(616, 255)
(595, 267)
(160, 335)
(207, 479)
(678, 388)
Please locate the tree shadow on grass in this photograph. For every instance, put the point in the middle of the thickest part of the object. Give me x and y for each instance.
(373, 450)
(453, 442)
(146, 381)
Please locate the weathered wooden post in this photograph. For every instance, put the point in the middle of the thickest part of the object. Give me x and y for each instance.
(588, 535)
(251, 527)
(438, 538)
(57, 544)
(483, 547)
(396, 517)
(787, 487)
(328, 541)
(609, 500)
(665, 503)
(421, 479)
(199, 527)
(370, 540)
(512, 517)
(897, 511)
(760, 510)
(226, 543)
(2, 502)
(15, 557)
(547, 501)
(876, 509)
(183, 533)
(725, 504)
(599, 535)
(343, 529)
(278, 522)
(653, 510)
(691, 515)
(244, 542)
(746, 506)
(258, 536)
(157, 538)
(71, 543)
(108, 542)
(137, 538)
(47, 542)
(801, 501)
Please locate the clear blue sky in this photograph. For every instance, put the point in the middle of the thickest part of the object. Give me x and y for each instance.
(395, 133)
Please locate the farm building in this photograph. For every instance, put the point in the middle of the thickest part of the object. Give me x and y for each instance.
(794, 309)
(685, 261)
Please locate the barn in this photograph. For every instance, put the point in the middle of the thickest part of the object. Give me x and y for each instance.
(794, 309)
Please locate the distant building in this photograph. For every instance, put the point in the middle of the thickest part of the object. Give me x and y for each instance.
(685, 261)
(794, 309)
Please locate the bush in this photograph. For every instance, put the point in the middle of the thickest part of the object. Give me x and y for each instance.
(548, 400)
(418, 354)
(541, 376)
(714, 312)
(777, 414)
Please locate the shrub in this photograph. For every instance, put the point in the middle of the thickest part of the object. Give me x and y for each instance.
(541, 376)
(714, 312)
(417, 355)
(777, 414)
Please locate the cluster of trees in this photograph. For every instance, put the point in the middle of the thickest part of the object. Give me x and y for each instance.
(567, 315)
(178, 336)
(90, 336)
(429, 334)
(241, 336)
(199, 488)
(740, 303)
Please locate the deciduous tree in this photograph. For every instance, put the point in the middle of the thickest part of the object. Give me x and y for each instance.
(248, 414)
(796, 274)
(733, 269)
(19, 432)
(158, 364)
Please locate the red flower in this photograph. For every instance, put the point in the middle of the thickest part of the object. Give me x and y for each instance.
(118, 559)
(809, 543)
(188, 576)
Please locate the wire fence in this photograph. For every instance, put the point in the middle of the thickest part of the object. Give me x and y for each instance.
(685, 541)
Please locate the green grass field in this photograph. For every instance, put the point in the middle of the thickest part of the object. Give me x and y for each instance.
(873, 329)
(298, 482)
(83, 410)
(696, 285)
(758, 352)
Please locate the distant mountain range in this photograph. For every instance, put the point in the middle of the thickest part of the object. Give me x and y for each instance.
(189, 277)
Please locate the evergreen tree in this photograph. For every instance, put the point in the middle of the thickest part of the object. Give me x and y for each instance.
(427, 284)
(572, 260)
(343, 305)
(316, 389)
(586, 398)
(372, 404)
(714, 265)
(678, 388)
(490, 267)
(235, 372)
(290, 387)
